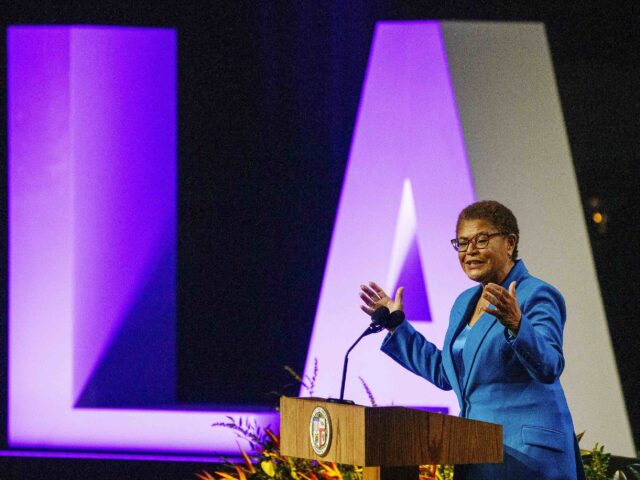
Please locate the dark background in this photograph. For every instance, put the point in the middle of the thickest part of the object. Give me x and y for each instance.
(268, 93)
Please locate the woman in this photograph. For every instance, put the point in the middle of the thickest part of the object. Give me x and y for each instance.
(502, 352)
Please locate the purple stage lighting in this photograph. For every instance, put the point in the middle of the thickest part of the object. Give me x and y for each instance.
(92, 244)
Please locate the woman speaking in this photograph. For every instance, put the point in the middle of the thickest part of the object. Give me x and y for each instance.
(502, 353)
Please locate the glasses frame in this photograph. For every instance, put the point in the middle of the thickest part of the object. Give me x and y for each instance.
(474, 240)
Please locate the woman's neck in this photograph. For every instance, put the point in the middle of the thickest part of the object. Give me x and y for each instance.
(501, 275)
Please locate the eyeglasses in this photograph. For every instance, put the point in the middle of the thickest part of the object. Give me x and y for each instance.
(481, 240)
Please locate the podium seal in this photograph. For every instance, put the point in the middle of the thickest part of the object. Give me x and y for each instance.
(320, 431)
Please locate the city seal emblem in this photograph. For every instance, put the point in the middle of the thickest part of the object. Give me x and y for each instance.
(320, 431)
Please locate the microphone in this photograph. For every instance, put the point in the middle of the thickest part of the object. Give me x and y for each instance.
(380, 319)
(386, 319)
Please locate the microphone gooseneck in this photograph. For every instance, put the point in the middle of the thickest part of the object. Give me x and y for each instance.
(379, 319)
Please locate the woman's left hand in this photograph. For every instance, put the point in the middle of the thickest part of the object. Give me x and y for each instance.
(505, 304)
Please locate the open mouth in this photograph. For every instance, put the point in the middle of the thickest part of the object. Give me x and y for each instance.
(473, 263)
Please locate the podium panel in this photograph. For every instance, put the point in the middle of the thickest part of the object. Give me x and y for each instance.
(383, 436)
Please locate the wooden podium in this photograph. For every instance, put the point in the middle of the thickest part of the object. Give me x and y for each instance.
(388, 442)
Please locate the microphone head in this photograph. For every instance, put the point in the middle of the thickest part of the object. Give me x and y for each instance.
(395, 318)
(380, 316)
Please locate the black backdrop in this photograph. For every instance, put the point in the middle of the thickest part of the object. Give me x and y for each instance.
(268, 94)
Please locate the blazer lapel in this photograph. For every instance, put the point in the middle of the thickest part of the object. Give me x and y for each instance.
(459, 320)
(473, 344)
(484, 324)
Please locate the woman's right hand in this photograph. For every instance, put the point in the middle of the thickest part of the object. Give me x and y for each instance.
(374, 297)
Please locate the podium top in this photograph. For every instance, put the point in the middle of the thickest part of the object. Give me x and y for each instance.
(383, 436)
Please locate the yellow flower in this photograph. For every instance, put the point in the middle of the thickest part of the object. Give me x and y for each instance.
(268, 467)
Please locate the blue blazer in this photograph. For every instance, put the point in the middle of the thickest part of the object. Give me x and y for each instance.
(512, 381)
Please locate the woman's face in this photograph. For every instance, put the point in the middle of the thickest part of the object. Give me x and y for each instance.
(489, 264)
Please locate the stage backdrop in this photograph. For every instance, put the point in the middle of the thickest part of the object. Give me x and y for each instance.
(449, 113)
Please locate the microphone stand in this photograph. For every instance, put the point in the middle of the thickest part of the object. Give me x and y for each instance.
(373, 328)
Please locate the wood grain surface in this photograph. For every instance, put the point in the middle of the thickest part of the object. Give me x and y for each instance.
(391, 473)
(347, 430)
(388, 436)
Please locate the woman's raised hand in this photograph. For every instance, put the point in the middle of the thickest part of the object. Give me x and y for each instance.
(505, 305)
(374, 297)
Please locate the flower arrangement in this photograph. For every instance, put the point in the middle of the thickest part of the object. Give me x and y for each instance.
(265, 462)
